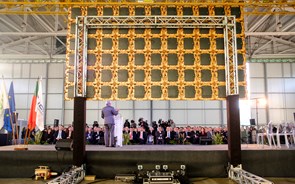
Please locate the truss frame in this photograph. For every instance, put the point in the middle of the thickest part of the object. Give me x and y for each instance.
(252, 7)
(83, 23)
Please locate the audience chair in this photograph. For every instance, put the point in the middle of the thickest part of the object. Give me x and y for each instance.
(270, 135)
(284, 133)
(260, 136)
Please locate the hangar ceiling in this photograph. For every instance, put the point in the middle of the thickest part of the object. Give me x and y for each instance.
(36, 31)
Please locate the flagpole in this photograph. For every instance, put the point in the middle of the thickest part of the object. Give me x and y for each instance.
(16, 125)
(13, 138)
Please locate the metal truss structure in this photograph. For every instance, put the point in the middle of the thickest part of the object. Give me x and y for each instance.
(48, 7)
(33, 28)
(83, 23)
(74, 176)
(243, 177)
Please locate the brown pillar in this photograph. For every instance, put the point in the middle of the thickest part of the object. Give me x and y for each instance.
(233, 125)
(79, 153)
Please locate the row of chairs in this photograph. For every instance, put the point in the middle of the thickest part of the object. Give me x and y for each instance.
(273, 134)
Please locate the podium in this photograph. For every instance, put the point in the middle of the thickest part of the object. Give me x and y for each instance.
(118, 130)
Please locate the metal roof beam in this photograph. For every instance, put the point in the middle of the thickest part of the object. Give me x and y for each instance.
(281, 33)
(62, 33)
(279, 56)
(16, 42)
(258, 23)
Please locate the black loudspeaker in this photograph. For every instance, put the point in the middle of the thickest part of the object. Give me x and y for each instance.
(55, 123)
(64, 145)
(294, 116)
(252, 122)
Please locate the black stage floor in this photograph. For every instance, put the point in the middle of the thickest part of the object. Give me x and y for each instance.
(200, 160)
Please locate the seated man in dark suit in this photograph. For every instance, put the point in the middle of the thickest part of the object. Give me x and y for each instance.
(160, 136)
(95, 135)
(168, 135)
(59, 134)
(141, 135)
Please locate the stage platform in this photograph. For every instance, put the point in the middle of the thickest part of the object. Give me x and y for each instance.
(106, 162)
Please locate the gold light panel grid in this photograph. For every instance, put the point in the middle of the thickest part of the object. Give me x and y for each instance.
(155, 63)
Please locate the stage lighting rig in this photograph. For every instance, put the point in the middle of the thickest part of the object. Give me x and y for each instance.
(160, 173)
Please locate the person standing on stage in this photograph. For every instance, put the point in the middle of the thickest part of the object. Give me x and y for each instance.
(107, 114)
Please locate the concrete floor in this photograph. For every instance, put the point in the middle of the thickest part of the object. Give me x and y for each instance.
(193, 181)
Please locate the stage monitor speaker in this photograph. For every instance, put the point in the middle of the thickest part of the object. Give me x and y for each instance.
(252, 122)
(64, 145)
(55, 123)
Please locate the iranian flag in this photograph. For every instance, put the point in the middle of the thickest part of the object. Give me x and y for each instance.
(36, 116)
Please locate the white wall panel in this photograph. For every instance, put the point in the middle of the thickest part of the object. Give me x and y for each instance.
(257, 85)
(290, 100)
(55, 86)
(275, 101)
(224, 118)
(290, 85)
(161, 104)
(142, 104)
(178, 104)
(275, 85)
(5, 70)
(68, 117)
(212, 117)
(21, 101)
(124, 104)
(195, 104)
(179, 117)
(293, 69)
(276, 116)
(56, 70)
(53, 114)
(287, 68)
(102, 104)
(17, 70)
(69, 104)
(212, 104)
(290, 115)
(256, 70)
(126, 114)
(21, 86)
(145, 114)
(261, 117)
(274, 70)
(26, 70)
(38, 70)
(91, 116)
(160, 114)
(195, 117)
(54, 101)
(224, 104)
(91, 104)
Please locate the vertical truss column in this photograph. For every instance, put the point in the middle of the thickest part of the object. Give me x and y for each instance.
(80, 70)
(230, 55)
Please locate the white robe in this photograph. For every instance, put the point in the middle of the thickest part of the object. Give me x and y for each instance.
(119, 130)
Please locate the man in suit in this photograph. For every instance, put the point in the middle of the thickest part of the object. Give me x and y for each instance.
(141, 135)
(160, 136)
(109, 123)
(59, 134)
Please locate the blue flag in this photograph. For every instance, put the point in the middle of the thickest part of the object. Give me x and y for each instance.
(7, 121)
(11, 98)
(7, 116)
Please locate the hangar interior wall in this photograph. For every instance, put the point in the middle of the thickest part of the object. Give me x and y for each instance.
(274, 80)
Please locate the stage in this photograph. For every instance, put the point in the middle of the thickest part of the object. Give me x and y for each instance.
(106, 162)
